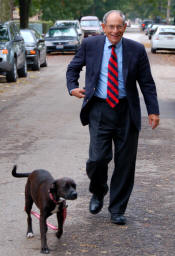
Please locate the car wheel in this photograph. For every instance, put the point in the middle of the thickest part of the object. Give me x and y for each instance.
(36, 64)
(11, 76)
(22, 72)
(45, 63)
(153, 50)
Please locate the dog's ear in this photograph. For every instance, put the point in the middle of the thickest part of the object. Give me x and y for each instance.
(53, 187)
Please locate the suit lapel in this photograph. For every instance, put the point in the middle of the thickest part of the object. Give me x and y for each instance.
(98, 55)
(126, 57)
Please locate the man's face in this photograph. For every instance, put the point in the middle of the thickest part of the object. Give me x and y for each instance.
(114, 28)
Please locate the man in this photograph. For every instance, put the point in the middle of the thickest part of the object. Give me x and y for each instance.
(111, 107)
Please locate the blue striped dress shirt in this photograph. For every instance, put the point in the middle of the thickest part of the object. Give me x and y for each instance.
(101, 89)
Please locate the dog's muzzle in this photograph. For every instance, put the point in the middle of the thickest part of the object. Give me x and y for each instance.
(72, 196)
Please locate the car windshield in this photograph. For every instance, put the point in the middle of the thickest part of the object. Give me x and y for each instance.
(57, 32)
(89, 23)
(28, 37)
(4, 33)
(167, 31)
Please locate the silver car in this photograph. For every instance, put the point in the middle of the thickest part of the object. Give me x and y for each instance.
(62, 39)
(12, 52)
(74, 23)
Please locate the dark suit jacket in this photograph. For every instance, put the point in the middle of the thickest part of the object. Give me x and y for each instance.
(136, 68)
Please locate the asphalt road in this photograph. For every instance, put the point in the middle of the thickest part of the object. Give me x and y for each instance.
(40, 128)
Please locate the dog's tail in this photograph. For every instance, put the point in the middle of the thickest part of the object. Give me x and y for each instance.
(19, 175)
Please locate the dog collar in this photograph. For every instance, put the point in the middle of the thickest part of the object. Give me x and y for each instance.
(52, 198)
(61, 200)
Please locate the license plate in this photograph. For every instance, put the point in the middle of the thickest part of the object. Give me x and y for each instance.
(169, 37)
(59, 46)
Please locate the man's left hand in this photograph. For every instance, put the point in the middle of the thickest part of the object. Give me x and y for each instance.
(153, 120)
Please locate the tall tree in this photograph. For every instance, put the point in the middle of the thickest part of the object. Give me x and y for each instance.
(168, 11)
(24, 7)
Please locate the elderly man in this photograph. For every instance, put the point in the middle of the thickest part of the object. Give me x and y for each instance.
(111, 108)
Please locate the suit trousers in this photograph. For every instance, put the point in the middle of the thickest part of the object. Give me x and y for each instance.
(112, 132)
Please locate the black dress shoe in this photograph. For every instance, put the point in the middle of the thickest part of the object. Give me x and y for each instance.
(95, 205)
(118, 219)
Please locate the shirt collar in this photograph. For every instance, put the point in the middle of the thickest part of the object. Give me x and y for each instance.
(108, 43)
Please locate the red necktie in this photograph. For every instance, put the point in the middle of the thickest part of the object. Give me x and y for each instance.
(112, 88)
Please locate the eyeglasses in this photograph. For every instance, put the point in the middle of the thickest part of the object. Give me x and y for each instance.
(113, 27)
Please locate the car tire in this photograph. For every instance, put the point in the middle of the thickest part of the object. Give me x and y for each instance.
(153, 50)
(45, 64)
(12, 75)
(36, 64)
(22, 72)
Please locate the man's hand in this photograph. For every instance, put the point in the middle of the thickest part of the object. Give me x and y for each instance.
(153, 120)
(78, 92)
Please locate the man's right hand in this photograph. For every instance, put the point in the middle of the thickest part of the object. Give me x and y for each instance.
(78, 92)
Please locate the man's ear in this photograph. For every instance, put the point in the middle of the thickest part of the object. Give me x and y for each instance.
(53, 187)
(103, 27)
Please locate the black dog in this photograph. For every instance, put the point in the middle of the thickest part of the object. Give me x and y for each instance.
(46, 193)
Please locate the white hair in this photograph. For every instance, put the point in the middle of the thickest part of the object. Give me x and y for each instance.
(113, 11)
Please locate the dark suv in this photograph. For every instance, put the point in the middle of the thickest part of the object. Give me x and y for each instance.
(12, 52)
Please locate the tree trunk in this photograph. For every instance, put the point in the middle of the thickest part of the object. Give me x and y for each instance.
(24, 6)
(168, 11)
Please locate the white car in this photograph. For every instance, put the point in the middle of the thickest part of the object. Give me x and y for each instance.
(163, 38)
(74, 23)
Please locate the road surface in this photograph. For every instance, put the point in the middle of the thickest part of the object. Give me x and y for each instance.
(40, 128)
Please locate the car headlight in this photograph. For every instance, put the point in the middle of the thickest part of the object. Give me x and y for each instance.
(73, 42)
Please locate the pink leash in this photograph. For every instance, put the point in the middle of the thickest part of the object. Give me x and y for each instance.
(37, 215)
(48, 224)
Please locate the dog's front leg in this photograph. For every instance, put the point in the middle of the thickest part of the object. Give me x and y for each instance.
(60, 219)
(43, 231)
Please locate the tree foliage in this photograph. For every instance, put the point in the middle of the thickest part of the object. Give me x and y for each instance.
(73, 9)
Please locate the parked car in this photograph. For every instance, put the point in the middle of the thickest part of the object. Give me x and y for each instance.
(163, 38)
(62, 39)
(145, 23)
(74, 23)
(12, 52)
(35, 48)
(91, 26)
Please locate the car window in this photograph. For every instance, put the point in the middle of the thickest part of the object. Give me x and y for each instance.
(4, 36)
(12, 32)
(37, 35)
(15, 28)
(28, 37)
(89, 23)
(167, 31)
(55, 32)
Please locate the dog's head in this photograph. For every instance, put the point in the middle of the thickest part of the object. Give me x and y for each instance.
(65, 188)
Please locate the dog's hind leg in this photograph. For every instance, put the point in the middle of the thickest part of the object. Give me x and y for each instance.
(28, 207)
